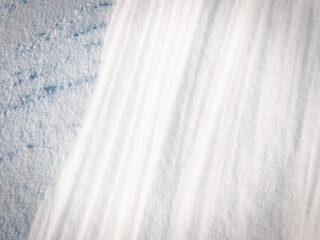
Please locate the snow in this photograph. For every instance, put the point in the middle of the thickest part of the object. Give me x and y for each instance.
(202, 124)
(46, 75)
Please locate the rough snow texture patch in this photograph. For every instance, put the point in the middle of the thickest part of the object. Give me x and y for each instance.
(49, 60)
(204, 125)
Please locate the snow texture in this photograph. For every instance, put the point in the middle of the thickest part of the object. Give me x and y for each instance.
(49, 60)
(203, 124)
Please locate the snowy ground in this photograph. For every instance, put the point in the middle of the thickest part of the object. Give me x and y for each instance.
(49, 60)
(204, 124)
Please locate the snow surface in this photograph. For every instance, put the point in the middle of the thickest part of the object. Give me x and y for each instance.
(203, 124)
(49, 60)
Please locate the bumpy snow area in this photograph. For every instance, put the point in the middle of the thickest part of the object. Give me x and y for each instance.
(49, 59)
(203, 124)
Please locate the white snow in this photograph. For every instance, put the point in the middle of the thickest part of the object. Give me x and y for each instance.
(203, 125)
(49, 61)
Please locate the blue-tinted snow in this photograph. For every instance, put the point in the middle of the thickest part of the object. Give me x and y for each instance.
(204, 124)
(49, 60)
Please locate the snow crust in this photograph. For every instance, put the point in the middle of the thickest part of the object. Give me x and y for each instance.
(49, 59)
(203, 124)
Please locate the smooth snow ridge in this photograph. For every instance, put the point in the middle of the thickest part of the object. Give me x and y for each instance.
(204, 125)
